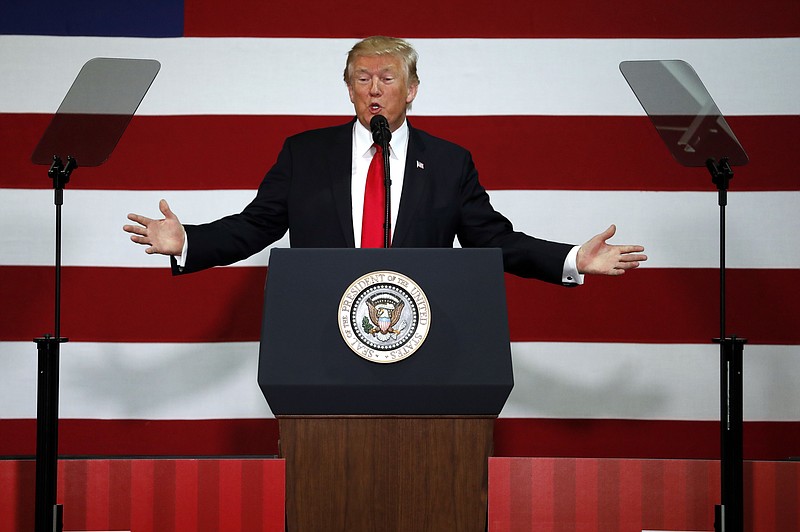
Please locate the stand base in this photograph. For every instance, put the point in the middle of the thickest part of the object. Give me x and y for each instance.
(49, 515)
(729, 516)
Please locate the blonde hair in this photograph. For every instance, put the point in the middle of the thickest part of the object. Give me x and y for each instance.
(381, 45)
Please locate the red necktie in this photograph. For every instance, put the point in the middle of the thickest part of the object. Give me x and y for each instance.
(374, 203)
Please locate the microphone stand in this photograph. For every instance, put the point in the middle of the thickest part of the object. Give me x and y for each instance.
(381, 135)
(387, 217)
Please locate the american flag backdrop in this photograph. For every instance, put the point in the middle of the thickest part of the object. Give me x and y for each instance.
(619, 367)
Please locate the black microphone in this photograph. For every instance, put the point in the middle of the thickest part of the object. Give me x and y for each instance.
(381, 136)
(380, 130)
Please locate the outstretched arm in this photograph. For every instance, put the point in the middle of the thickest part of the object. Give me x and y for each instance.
(600, 258)
(165, 236)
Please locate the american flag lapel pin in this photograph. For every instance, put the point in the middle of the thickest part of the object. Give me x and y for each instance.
(420, 165)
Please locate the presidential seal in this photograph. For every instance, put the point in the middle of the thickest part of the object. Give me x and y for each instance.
(384, 317)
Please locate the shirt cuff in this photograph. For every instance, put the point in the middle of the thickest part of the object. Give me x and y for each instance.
(181, 260)
(570, 275)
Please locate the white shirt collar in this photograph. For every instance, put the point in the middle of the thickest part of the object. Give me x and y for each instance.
(362, 138)
(362, 156)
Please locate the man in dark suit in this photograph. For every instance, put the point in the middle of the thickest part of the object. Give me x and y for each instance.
(315, 190)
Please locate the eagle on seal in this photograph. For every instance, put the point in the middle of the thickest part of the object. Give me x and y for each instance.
(384, 318)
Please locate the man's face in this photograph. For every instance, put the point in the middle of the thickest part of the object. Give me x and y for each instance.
(378, 86)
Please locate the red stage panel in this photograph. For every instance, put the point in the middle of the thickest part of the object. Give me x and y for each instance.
(557, 494)
(152, 495)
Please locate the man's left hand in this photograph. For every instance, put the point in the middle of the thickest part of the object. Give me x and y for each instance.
(600, 258)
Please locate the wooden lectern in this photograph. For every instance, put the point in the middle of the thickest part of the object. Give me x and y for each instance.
(373, 446)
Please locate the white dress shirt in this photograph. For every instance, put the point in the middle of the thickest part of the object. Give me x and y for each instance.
(363, 151)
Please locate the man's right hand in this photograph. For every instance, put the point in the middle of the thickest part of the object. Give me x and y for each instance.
(165, 236)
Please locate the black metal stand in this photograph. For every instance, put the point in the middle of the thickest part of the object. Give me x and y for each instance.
(729, 515)
(49, 515)
(89, 122)
(387, 217)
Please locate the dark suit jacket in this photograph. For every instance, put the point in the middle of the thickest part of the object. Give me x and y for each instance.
(307, 192)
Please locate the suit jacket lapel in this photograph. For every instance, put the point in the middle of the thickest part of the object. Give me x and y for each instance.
(414, 182)
(339, 167)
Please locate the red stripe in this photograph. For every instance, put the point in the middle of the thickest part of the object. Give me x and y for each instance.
(97, 437)
(99, 505)
(208, 501)
(653, 476)
(588, 500)
(500, 495)
(507, 18)
(565, 492)
(253, 496)
(787, 495)
(143, 502)
(103, 293)
(273, 478)
(542, 508)
(609, 496)
(762, 497)
(610, 438)
(630, 495)
(230, 497)
(187, 485)
(600, 438)
(672, 306)
(73, 492)
(563, 152)
(165, 491)
(18, 488)
(119, 509)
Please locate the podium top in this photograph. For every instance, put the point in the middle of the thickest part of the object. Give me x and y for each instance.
(463, 366)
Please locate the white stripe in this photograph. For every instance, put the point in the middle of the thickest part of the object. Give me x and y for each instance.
(92, 224)
(679, 229)
(139, 381)
(648, 381)
(459, 76)
(552, 380)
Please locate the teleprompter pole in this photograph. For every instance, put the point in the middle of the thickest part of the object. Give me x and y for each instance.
(729, 515)
(90, 121)
(48, 514)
